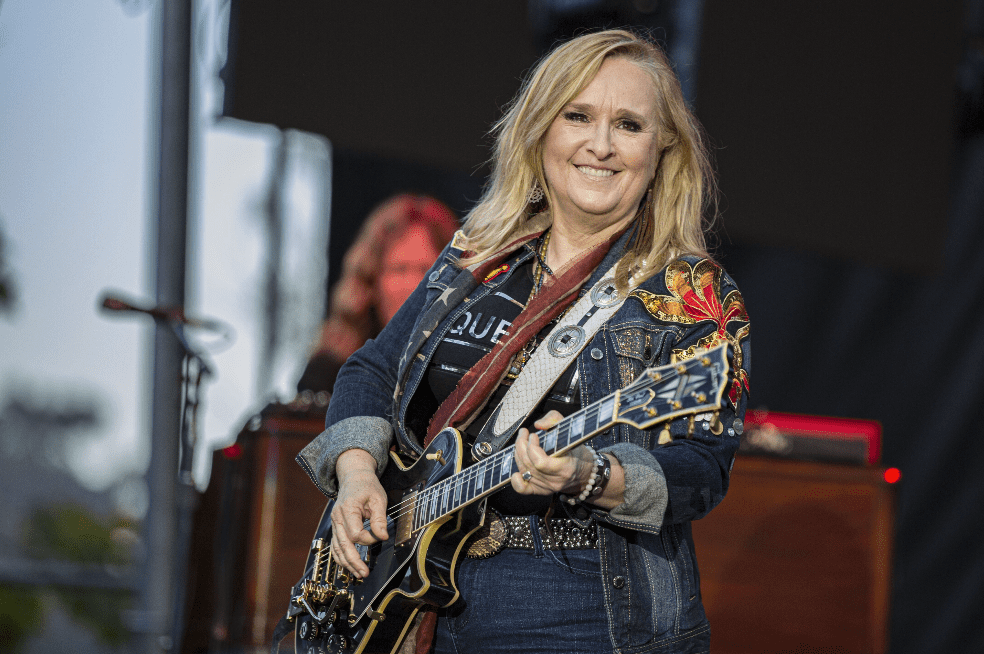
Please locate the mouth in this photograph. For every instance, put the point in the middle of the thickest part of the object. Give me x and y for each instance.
(595, 172)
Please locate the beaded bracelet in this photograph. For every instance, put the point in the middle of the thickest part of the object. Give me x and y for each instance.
(600, 475)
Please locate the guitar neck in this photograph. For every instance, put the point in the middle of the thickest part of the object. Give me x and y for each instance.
(657, 395)
(491, 474)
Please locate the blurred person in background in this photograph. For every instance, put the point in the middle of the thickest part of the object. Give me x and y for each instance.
(396, 245)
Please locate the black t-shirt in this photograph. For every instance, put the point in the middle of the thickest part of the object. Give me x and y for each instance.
(471, 338)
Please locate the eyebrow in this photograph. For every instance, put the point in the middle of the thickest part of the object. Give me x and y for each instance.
(622, 113)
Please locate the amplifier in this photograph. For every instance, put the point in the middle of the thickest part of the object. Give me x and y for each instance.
(812, 438)
(252, 531)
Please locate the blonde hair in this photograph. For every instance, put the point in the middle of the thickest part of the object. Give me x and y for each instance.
(670, 221)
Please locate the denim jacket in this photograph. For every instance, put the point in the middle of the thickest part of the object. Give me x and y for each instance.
(647, 555)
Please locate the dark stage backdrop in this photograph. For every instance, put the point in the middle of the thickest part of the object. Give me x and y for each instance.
(832, 123)
(401, 80)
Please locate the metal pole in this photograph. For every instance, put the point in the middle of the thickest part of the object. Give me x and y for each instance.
(161, 568)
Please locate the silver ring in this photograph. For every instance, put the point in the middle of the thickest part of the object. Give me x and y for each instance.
(527, 476)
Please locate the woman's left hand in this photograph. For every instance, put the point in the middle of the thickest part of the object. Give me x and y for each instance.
(567, 473)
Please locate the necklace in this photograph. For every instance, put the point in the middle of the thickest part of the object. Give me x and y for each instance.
(540, 267)
(540, 270)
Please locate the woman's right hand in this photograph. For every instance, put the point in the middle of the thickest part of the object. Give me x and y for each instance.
(360, 498)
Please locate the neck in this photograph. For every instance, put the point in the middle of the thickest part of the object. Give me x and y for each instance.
(569, 238)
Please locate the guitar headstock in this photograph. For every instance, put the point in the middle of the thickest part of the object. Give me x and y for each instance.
(676, 389)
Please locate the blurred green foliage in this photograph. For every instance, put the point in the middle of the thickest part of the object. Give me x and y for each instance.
(69, 533)
(20, 617)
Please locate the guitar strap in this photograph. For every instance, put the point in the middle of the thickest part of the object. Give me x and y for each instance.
(283, 628)
(560, 348)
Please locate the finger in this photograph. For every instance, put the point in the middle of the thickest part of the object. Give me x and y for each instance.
(377, 511)
(342, 548)
(354, 520)
(354, 533)
(537, 457)
(521, 452)
(549, 419)
(519, 484)
(347, 555)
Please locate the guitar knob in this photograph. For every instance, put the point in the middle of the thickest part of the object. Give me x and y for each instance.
(308, 630)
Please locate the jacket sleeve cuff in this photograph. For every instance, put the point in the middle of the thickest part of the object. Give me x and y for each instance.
(368, 433)
(645, 498)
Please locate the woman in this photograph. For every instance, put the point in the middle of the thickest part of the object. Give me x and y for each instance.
(599, 169)
(396, 245)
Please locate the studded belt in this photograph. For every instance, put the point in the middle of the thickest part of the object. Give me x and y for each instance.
(513, 532)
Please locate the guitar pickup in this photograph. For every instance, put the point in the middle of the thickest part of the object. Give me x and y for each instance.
(404, 523)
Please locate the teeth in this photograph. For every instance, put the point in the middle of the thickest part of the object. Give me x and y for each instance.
(595, 172)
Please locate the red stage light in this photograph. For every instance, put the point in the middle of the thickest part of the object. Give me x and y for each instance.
(234, 451)
(892, 475)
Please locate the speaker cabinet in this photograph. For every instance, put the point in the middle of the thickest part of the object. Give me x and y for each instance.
(797, 559)
(252, 533)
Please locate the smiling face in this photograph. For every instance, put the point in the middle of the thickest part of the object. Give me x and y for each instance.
(600, 152)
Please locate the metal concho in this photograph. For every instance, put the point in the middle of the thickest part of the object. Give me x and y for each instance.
(566, 342)
(605, 294)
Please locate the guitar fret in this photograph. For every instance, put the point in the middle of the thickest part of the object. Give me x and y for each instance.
(457, 493)
(577, 427)
(507, 465)
(550, 441)
(469, 489)
(590, 422)
(444, 499)
(606, 413)
(480, 478)
(564, 434)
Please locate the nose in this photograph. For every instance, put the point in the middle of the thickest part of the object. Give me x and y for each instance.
(600, 142)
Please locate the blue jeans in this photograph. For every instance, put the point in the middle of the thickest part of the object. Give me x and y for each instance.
(546, 602)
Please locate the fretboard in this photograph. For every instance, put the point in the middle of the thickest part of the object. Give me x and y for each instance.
(491, 474)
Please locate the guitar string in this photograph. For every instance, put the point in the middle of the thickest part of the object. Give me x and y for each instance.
(498, 460)
(494, 464)
(471, 473)
(483, 468)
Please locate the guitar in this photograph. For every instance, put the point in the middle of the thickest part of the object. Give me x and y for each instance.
(434, 505)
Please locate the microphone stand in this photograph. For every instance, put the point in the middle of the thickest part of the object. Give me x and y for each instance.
(195, 370)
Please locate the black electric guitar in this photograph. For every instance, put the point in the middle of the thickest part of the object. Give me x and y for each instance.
(434, 505)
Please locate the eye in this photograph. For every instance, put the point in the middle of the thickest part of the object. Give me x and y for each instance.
(576, 116)
(630, 125)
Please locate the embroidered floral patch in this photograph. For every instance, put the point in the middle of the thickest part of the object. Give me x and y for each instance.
(695, 297)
